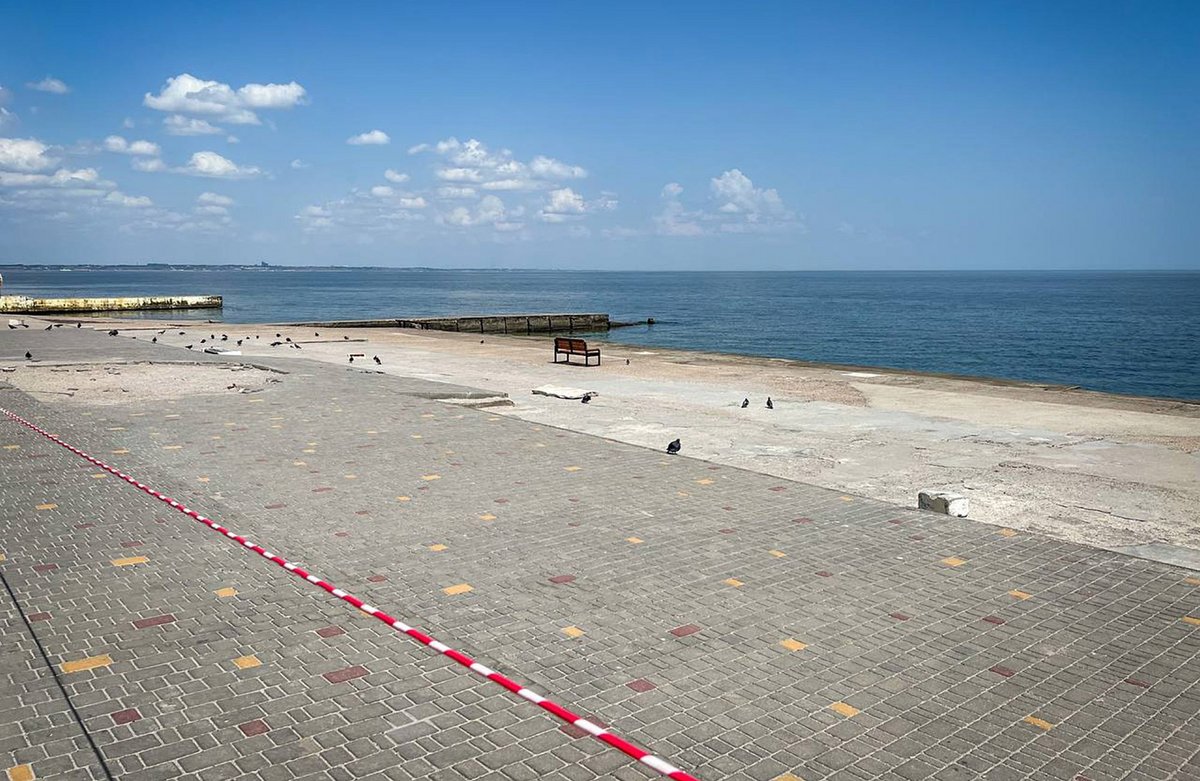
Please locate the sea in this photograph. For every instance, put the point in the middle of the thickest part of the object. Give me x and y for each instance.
(1121, 332)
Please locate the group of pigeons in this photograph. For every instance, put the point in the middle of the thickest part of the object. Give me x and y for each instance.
(675, 446)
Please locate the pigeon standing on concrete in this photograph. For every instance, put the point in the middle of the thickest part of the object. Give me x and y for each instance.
(47, 328)
(769, 404)
(154, 339)
(745, 403)
(674, 448)
(28, 356)
(351, 359)
(377, 361)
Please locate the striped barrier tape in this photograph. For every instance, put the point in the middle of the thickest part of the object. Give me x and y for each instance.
(595, 730)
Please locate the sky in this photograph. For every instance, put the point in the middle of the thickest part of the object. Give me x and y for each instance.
(672, 135)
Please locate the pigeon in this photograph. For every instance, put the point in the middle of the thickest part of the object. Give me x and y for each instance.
(202, 341)
(12, 327)
(190, 346)
(28, 356)
(276, 344)
(674, 448)
(316, 333)
(287, 338)
(256, 336)
(163, 331)
(587, 397)
(47, 328)
(346, 338)
(351, 359)
(113, 332)
(278, 335)
(626, 361)
(224, 338)
(769, 404)
(295, 345)
(239, 342)
(481, 341)
(377, 361)
(154, 339)
(745, 403)
(79, 325)
(181, 333)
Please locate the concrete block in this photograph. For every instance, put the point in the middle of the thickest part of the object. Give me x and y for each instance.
(943, 502)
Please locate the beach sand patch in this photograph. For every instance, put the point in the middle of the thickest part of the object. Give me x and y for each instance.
(115, 383)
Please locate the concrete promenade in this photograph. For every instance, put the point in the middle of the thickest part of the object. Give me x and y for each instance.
(738, 625)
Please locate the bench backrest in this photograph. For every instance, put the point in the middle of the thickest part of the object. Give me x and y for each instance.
(563, 343)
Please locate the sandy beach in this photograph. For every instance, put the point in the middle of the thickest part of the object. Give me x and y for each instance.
(1097, 469)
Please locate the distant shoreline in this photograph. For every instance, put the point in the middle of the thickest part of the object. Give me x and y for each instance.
(43, 267)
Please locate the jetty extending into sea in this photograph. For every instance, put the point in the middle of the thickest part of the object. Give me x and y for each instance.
(24, 305)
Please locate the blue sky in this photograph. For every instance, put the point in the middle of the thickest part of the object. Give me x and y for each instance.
(608, 135)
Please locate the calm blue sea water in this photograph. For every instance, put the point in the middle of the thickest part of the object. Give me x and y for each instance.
(1133, 333)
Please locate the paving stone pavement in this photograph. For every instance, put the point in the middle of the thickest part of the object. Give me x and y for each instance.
(740, 626)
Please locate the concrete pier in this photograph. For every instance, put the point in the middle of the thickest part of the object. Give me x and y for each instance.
(485, 324)
(38, 306)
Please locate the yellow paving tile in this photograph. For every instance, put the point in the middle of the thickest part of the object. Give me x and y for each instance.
(299, 463)
(705, 481)
(350, 477)
(47, 506)
(416, 436)
(12, 447)
(21, 773)
(99, 475)
(788, 777)
(125, 562)
(90, 663)
(845, 708)
(1193, 620)
(372, 432)
(777, 554)
(573, 631)
(461, 588)
(403, 498)
(247, 662)
(487, 517)
(116, 428)
(954, 561)
(254, 401)
(438, 548)
(733, 582)
(1192, 581)
(846, 498)
(120, 452)
(3, 557)
(308, 450)
(172, 447)
(1020, 594)
(1039, 723)
(1008, 532)
(572, 468)
(276, 425)
(228, 591)
(427, 478)
(634, 540)
(793, 644)
(202, 479)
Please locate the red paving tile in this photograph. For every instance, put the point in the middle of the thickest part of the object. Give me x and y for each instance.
(44, 567)
(562, 579)
(377, 578)
(994, 620)
(1002, 670)
(641, 685)
(38, 617)
(331, 631)
(252, 728)
(126, 716)
(900, 616)
(685, 630)
(346, 674)
(146, 623)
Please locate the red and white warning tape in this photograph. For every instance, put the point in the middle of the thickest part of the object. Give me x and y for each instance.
(660, 765)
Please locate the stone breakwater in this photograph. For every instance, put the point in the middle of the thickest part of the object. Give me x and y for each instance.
(37, 306)
(485, 324)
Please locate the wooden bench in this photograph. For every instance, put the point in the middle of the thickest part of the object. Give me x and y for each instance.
(569, 347)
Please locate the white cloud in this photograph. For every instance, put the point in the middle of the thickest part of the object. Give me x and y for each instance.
(565, 204)
(186, 94)
(382, 191)
(452, 191)
(460, 174)
(149, 165)
(298, 164)
(88, 178)
(549, 168)
(213, 199)
(736, 205)
(134, 201)
(411, 202)
(489, 211)
(121, 146)
(211, 164)
(49, 84)
(211, 210)
(472, 161)
(369, 138)
(25, 154)
(395, 177)
(179, 125)
(739, 196)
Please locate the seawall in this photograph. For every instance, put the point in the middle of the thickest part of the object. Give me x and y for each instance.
(484, 324)
(34, 306)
